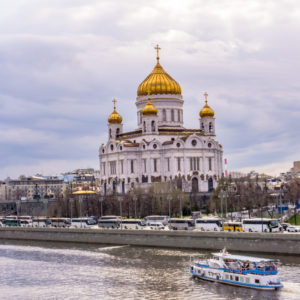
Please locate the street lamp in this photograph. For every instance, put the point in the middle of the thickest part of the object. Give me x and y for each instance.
(222, 194)
(134, 199)
(71, 206)
(180, 199)
(120, 199)
(101, 199)
(169, 197)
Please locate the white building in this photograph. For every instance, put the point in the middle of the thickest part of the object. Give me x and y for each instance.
(161, 149)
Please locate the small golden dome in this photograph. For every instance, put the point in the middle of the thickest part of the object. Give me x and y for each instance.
(206, 111)
(159, 82)
(115, 117)
(149, 109)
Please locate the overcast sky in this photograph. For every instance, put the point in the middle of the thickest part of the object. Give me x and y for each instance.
(63, 61)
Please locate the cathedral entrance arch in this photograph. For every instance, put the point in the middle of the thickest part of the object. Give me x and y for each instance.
(195, 185)
(210, 184)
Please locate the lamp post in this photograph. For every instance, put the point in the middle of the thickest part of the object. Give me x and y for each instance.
(222, 193)
(71, 206)
(134, 199)
(101, 199)
(169, 197)
(120, 200)
(180, 199)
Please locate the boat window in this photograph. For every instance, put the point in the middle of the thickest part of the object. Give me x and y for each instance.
(236, 278)
(247, 280)
(242, 279)
(227, 276)
(231, 277)
(256, 280)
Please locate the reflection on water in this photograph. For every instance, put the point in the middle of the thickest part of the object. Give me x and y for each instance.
(73, 271)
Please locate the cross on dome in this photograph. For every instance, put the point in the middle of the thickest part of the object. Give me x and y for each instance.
(114, 101)
(205, 95)
(157, 48)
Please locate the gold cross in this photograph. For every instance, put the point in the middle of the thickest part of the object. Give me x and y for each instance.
(157, 48)
(114, 101)
(205, 95)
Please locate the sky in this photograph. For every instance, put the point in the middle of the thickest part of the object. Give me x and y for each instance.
(63, 61)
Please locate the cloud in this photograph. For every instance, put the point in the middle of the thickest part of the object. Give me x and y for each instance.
(62, 62)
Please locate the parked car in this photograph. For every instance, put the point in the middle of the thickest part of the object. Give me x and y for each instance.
(156, 226)
(293, 229)
(285, 225)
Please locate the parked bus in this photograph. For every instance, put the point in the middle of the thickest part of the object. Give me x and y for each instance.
(157, 220)
(41, 222)
(60, 222)
(233, 226)
(133, 224)
(12, 222)
(260, 225)
(209, 224)
(83, 222)
(181, 224)
(109, 223)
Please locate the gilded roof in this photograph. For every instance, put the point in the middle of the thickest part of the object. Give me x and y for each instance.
(159, 82)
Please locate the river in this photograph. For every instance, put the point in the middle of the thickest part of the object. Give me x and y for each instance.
(35, 270)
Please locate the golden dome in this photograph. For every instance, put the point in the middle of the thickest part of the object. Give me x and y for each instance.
(206, 111)
(114, 117)
(159, 82)
(149, 109)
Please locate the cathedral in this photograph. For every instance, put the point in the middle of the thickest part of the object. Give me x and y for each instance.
(161, 149)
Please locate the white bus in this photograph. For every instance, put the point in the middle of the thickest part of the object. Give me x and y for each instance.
(157, 220)
(133, 224)
(60, 222)
(181, 224)
(41, 222)
(83, 223)
(109, 223)
(260, 225)
(209, 224)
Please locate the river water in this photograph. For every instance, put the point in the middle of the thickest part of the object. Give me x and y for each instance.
(75, 271)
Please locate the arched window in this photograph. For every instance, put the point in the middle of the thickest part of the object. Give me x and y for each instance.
(210, 127)
(172, 115)
(153, 126)
(118, 131)
(141, 117)
(178, 115)
(110, 132)
(144, 126)
(202, 126)
(164, 115)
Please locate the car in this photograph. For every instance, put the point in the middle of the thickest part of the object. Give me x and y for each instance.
(157, 226)
(293, 229)
(285, 225)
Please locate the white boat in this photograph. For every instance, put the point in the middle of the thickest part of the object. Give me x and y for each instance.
(238, 270)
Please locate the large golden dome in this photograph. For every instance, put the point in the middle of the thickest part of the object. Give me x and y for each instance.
(159, 82)
(206, 111)
(115, 117)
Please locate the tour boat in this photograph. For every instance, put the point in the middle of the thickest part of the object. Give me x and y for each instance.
(238, 270)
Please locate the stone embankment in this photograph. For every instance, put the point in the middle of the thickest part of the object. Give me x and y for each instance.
(235, 241)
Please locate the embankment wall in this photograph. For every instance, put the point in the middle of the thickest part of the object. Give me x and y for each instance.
(245, 242)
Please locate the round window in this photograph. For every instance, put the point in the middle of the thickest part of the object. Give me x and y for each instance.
(194, 143)
(178, 145)
(154, 146)
(209, 145)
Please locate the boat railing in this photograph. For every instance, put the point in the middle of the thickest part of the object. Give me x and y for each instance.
(251, 271)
